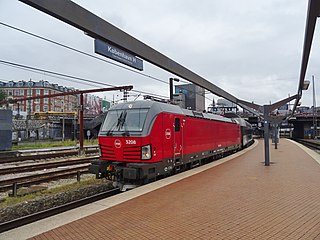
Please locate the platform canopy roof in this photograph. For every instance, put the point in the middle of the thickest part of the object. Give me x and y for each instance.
(313, 14)
(98, 28)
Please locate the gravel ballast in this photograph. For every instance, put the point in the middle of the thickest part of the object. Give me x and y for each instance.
(40, 203)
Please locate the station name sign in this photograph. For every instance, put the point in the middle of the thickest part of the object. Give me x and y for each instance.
(117, 54)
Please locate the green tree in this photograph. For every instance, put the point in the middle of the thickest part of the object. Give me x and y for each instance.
(2, 95)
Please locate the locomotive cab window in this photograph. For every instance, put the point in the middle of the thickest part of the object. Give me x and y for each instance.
(177, 124)
(124, 121)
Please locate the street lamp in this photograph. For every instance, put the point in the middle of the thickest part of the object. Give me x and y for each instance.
(171, 87)
(306, 84)
(314, 112)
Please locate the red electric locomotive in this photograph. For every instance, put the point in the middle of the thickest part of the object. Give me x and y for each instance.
(144, 140)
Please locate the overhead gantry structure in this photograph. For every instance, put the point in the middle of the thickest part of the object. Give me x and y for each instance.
(100, 29)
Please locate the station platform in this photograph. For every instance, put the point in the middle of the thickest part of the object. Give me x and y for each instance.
(233, 198)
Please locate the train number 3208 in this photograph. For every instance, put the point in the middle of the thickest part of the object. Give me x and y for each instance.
(131, 142)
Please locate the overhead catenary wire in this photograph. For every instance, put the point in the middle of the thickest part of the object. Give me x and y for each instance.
(67, 76)
(81, 52)
(50, 75)
(92, 56)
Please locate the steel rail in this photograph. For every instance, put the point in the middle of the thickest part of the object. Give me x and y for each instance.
(309, 144)
(56, 210)
(40, 166)
(41, 177)
(41, 154)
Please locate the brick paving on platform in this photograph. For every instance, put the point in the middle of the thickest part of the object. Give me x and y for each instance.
(239, 199)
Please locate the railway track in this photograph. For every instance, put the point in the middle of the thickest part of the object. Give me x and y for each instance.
(37, 178)
(31, 155)
(313, 144)
(17, 173)
(47, 165)
(53, 211)
(31, 167)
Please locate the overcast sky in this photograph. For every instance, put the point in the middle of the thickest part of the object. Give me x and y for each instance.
(251, 49)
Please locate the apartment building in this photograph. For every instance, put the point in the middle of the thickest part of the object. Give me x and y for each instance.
(22, 89)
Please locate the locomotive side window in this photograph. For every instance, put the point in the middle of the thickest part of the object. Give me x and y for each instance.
(177, 124)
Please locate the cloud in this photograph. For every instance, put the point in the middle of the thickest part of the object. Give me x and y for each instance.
(250, 48)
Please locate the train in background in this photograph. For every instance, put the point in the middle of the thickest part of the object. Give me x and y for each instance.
(142, 141)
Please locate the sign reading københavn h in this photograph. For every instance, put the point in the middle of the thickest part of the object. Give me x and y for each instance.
(117, 54)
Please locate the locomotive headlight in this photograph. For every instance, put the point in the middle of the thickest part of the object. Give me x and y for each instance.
(146, 152)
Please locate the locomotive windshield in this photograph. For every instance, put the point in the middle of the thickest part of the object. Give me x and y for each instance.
(124, 121)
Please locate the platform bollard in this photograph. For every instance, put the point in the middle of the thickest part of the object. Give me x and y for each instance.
(78, 176)
(14, 189)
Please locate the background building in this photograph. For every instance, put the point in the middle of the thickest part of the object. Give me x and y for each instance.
(92, 105)
(193, 96)
(225, 103)
(179, 99)
(48, 118)
(22, 89)
(223, 106)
